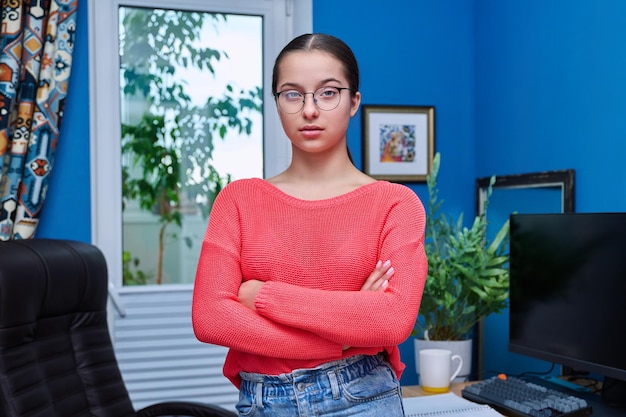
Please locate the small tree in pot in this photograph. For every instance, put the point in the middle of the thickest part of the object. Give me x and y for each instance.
(468, 277)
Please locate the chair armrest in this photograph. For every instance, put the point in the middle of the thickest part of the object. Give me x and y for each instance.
(184, 408)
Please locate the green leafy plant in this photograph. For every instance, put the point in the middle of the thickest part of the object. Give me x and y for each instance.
(468, 277)
(131, 274)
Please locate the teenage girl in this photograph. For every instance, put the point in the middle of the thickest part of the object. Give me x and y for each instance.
(313, 277)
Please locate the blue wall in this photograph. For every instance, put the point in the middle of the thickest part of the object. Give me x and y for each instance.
(551, 93)
(518, 86)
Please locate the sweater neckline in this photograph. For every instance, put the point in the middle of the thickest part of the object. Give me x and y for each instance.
(357, 192)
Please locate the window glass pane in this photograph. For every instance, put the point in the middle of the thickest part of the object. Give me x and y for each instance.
(191, 112)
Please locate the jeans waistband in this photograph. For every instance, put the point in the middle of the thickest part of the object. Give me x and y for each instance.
(351, 367)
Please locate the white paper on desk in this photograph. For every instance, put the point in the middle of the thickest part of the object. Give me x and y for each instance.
(446, 404)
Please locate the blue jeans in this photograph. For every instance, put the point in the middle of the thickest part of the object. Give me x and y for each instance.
(364, 386)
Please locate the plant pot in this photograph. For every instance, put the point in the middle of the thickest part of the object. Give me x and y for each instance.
(463, 348)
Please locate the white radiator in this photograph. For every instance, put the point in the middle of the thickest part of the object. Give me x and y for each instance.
(159, 356)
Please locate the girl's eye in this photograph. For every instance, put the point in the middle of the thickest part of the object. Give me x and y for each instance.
(327, 92)
(292, 95)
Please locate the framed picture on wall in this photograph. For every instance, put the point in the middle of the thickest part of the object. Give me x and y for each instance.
(398, 142)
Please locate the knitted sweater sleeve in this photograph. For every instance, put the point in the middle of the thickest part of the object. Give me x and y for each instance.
(361, 318)
(217, 315)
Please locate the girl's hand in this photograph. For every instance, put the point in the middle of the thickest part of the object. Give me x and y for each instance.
(248, 291)
(379, 278)
(377, 281)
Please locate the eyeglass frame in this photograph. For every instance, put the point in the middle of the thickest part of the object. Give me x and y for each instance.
(304, 93)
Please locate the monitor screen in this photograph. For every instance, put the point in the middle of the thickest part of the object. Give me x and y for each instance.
(568, 290)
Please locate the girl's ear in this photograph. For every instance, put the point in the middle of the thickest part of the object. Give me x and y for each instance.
(356, 102)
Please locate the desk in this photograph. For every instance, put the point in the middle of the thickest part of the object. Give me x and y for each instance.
(416, 390)
(600, 409)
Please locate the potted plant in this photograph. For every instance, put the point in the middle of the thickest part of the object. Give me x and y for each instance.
(468, 277)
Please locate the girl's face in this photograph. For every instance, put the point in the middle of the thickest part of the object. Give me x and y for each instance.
(311, 129)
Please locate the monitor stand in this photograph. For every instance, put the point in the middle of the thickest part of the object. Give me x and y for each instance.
(613, 392)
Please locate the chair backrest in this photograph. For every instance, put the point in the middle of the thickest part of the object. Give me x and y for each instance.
(56, 356)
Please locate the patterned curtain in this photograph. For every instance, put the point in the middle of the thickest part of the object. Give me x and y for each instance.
(36, 41)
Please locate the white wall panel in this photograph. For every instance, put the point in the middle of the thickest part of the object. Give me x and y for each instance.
(159, 356)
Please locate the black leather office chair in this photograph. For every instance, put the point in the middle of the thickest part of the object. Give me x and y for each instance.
(56, 356)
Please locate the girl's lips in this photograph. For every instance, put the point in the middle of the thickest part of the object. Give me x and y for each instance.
(311, 132)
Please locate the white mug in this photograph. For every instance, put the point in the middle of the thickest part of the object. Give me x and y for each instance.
(436, 369)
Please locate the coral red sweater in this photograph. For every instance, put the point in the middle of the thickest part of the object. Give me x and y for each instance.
(313, 256)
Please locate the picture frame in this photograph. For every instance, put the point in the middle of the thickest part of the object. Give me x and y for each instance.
(398, 142)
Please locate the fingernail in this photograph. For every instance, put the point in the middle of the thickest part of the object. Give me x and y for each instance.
(390, 271)
(387, 262)
(379, 263)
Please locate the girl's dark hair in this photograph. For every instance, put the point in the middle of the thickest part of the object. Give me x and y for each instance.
(325, 43)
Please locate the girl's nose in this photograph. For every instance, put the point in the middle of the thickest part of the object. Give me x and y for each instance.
(310, 110)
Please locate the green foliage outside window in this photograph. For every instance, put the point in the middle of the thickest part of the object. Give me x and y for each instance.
(171, 145)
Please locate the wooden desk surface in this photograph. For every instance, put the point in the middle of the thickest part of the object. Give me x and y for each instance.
(416, 390)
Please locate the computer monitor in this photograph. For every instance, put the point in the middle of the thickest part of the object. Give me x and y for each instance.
(568, 290)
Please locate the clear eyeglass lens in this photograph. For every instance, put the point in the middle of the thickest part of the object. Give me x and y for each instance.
(325, 98)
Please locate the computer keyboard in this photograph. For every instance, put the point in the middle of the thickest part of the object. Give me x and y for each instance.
(515, 397)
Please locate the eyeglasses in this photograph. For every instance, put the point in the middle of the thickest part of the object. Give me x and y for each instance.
(325, 98)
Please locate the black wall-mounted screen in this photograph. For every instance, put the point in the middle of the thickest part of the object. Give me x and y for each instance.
(568, 290)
